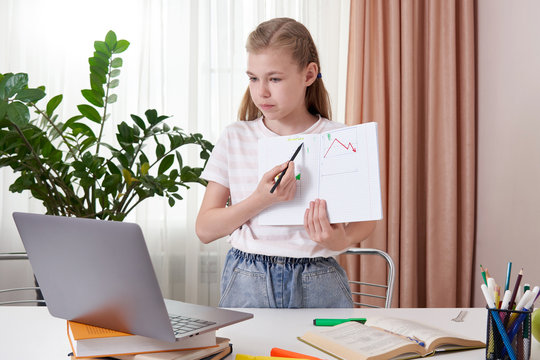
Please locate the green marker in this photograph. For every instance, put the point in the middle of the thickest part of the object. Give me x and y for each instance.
(332, 322)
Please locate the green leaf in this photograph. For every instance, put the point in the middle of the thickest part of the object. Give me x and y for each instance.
(46, 149)
(92, 97)
(97, 86)
(113, 180)
(99, 62)
(166, 163)
(114, 83)
(177, 196)
(3, 109)
(151, 116)
(117, 62)
(18, 113)
(110, 39)
(80, 128)
(179, 159)
(115, 73)
(98, 79)
(160, 150)
(125, 132)
(171, 201)
(136, 130)
(14, 84)
(71, 121)
(53, 104)
(138, 121)
(88, 142)
(103, 56)
(112, 98)
(102, 48)
(205, 155)
(143, 158)
(122, 159)
(113, 168)
(90, 113)
(30, 95)
(98, 70)
(121, 46)
(3, 85)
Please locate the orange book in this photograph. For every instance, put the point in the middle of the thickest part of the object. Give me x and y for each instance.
(92, 341)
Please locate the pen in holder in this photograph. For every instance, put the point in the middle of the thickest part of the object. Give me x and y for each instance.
(508, 334)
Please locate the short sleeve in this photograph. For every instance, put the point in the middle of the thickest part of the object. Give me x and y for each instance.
(217, 167)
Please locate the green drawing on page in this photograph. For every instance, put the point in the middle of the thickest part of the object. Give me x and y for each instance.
(298, 177)
(329, 137)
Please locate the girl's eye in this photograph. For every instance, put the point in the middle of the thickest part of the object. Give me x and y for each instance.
(275, 79)
(252, 79)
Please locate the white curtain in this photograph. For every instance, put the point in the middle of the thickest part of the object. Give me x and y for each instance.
(186, 59)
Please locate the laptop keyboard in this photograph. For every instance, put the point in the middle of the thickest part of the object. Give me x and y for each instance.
(184, 324)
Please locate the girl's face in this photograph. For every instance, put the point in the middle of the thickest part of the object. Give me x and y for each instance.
(276, 84)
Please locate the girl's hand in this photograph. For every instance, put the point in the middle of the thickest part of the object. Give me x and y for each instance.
(319, 229)
(285, 190)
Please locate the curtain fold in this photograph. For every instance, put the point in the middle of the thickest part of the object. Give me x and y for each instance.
(411, 69)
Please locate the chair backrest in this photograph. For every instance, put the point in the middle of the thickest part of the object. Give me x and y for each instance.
(25, 295)
(388, 287)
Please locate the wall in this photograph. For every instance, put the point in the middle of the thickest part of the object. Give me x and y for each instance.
(508, 208)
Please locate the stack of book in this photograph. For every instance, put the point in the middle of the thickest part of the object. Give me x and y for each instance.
(92, 342)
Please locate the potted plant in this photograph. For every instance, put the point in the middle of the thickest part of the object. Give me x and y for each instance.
(70, 167)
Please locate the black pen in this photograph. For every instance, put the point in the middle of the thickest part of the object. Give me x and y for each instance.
(280, 176)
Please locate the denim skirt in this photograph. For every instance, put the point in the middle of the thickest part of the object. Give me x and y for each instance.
(260, 281)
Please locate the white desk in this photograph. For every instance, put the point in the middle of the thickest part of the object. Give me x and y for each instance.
(31, 333)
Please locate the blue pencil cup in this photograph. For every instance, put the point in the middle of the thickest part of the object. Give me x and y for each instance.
(508, 335)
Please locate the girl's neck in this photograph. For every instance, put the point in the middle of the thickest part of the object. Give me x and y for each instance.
(291, 126)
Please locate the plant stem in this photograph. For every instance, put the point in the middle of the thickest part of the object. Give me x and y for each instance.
(52, 187)
(60, 133)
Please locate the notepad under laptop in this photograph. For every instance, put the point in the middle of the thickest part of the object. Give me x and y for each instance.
(99, 273)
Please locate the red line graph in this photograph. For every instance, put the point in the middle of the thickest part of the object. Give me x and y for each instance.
(345, 146)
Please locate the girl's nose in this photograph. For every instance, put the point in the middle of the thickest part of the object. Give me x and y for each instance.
(264, 92)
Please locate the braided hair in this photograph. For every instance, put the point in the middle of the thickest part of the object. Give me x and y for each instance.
(286, 33)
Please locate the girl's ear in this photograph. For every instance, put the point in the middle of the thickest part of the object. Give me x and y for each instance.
(311, 73)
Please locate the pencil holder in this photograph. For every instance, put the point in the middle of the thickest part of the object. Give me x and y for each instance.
(508, 335)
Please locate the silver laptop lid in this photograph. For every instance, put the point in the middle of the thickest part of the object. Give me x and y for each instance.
(99, 273)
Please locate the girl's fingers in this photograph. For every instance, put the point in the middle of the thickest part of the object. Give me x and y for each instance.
(323, 217)
(275, 171)
(316, 216)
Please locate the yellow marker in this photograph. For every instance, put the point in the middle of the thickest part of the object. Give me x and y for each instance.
(251, 357)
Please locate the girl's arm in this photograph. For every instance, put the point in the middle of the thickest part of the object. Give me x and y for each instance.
(335, 237)
(216, 220)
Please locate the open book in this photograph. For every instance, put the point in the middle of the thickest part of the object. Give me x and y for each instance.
(340, 166)
(385, 338)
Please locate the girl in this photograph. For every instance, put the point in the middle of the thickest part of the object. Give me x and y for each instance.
(275, 266)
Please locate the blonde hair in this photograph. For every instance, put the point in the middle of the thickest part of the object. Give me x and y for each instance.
(285, 33)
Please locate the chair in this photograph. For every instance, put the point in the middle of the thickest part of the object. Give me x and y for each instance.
(389, 286)
(25, 292)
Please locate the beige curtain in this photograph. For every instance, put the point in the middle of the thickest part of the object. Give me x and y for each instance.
(411, 69)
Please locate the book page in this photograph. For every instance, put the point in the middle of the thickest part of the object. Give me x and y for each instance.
(277, 150)
(349, 173)
(429, 335)
(84, 331)
(354, 338)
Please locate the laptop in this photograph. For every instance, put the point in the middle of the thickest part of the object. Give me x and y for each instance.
(99, 273)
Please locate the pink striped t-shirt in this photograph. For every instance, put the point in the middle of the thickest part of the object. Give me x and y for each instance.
(234, 164)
